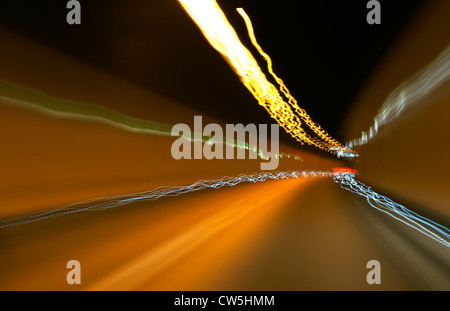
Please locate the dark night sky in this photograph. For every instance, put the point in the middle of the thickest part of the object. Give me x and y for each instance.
(323, 50)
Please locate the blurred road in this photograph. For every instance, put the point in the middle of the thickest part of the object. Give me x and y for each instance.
(298, 234)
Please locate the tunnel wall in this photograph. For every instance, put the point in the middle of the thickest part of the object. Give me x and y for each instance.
(408, 159)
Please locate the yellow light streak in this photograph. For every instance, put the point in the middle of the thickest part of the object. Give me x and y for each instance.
(221, 35)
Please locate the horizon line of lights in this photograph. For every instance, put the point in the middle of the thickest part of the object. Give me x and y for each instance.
(104, 203)
(214, 25)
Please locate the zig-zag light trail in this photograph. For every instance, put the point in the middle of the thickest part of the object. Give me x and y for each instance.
(346, 178)
(165, 191)
(221, 35)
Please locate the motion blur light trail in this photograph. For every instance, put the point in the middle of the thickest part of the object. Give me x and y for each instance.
(439, 233)
(407, 95)
(86, 144)
(334, 145)
(116, 201)
(15, 95)
(220, 34)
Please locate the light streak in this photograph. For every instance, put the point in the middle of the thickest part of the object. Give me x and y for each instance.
(36, 101)
(220, 34)
(104, 203)
(407, 95)
(435, 231)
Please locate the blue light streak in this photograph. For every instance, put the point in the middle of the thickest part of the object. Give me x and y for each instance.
(165, 191)
(422, 224)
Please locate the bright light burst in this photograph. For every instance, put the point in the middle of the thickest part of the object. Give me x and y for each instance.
(220, 34)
